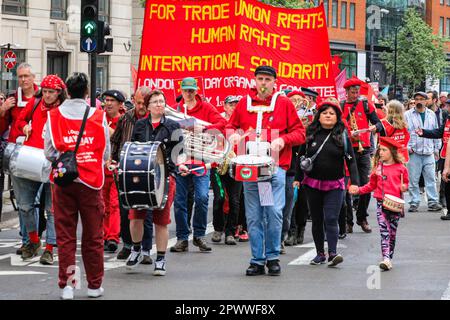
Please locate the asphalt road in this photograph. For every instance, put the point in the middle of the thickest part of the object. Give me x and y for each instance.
(421, 269)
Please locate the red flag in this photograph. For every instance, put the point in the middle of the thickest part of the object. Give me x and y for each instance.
(336, 61)
(133, 75)
(340, 80)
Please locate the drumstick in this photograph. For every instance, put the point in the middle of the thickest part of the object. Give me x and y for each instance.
(401, 180)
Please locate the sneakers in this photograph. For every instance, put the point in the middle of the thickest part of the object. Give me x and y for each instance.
(124, 254)
(413, 208)
(217, 236)
(364, 226)
(134, 260)
(46, 258)
(385, 265)
(201, 244)
(180, 246)
(160, 268)
(334, 260)
(290, 241)
(111, 246)
(342, 236)
(67, 293)
(319, 259)
(230, 240)
(19, 251)
(435, 207)
(95, 293)
(274, 267)
(255, 270)
(243, 236)
(446, 217)
(31, 250)
(146, 259)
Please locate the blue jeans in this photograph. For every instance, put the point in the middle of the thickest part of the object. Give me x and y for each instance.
(425, 165)
(26, 192)
(264, 223)
(23, 230)
(201, 198)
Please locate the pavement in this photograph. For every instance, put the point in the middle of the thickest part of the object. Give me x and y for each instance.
(421, 269)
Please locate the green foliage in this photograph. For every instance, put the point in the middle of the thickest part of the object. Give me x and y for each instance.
(420, 53)
(295, 4)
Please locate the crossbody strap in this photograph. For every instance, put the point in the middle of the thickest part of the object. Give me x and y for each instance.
(320, 148)
(83, 124)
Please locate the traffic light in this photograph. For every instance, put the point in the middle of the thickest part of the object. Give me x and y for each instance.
(104, 44)
(89, 26)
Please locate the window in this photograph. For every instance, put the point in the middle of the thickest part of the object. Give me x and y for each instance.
(58, 9)
(3, 74)
(17, 7)
(352, 16)
(441, 26)
(344, 15)
(445, 82)
(57, 63)
(442, 2)
(349, 61)
(448, 28)
(334, 14)
(102, 73)
(103, 10)
(325, 7)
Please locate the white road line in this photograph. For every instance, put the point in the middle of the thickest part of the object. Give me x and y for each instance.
(446, 295)
(19, 273)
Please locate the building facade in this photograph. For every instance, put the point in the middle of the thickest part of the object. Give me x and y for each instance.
(46, 33)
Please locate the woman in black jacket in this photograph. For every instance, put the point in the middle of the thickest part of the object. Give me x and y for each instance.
(155, 127)
(324, 184)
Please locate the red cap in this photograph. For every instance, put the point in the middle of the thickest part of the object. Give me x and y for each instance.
(353, 81)
(325, 104)
(389, 143)
(293, 93)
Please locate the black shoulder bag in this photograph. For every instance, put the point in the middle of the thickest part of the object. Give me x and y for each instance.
(64, 168)
(306, 164)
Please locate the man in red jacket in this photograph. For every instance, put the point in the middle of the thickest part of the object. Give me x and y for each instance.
(10, 111)
(31, 122)
(193, 105)
(277, 115)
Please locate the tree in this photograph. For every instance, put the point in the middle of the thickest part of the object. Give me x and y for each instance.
(420, 53)
(296, 4)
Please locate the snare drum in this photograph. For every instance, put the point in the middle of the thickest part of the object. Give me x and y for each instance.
(26, 162)
(251, 168)
(143, 175)
(393, 203)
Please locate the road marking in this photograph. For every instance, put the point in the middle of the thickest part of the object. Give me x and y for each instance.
(446, 295)
(305, 258)
(19, 273)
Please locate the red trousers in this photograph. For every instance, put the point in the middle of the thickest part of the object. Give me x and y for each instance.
(67, 202)
(111, 223)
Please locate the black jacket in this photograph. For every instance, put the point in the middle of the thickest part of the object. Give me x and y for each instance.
(143, 131)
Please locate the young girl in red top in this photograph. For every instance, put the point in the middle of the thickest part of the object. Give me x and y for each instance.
(389, 177)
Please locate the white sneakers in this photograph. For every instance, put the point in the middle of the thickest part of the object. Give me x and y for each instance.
(95, 293)
(386, 265)
(67, 293)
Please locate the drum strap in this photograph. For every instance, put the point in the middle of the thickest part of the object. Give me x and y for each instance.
(36, 103)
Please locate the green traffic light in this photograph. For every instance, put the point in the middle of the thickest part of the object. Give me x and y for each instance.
(89, 27)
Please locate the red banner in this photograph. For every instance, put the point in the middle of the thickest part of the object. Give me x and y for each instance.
(221, 42)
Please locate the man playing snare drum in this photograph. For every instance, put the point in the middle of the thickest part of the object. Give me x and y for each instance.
(283, 129)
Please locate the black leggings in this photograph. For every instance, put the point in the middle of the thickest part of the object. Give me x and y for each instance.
(325, 206)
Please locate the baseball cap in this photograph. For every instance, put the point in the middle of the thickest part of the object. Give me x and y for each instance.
(189, 84)
(231, 99)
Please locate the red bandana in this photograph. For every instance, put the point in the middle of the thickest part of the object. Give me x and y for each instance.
(53, 82)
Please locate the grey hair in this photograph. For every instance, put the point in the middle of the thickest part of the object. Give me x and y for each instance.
(26, 65)
(144, 91)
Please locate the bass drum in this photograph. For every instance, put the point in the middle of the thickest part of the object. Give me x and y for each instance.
(143, 175)
(28, 163)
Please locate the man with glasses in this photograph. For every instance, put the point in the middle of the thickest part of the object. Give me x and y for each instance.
(423, 153)
(193, 105)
